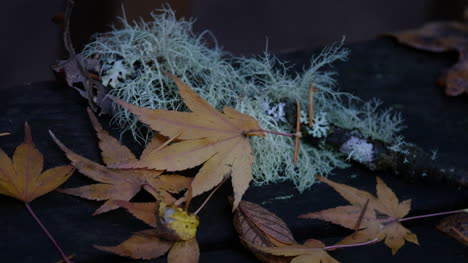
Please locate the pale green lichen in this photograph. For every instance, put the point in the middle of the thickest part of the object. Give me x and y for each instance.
(134, 58)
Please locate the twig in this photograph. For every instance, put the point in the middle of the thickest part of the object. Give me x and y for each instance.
(311, 105)
(65, 258)
(298, 131)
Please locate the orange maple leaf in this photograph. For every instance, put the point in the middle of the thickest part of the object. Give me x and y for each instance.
(219, 140)
(381, 219)
(118, 184)
(22, 178)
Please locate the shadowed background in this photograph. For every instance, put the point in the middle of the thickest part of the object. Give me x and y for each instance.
(31, 42)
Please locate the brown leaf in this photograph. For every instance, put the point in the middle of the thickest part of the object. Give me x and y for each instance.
(269, 238)
(22, 178)
(301, 253)
(142, 245)
(442, 37)
(184, 252)
(260, 227)
(380, 220)
(146, 212)
(456, 226)
(117, 184)
(173, 227)
(76, 70)
(218, 140)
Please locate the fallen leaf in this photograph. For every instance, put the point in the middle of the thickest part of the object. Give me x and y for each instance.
(270, 239)
(307, 253)
(260, 227)
(443, 37)
(456, 226)
(22, 178)
(380, 220)
(219, 140)
(117, 184)
(76, 70)
(174, 231)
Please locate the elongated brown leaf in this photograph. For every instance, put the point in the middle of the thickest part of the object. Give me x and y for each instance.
(269, 238)
(260, 227)
(219, 140)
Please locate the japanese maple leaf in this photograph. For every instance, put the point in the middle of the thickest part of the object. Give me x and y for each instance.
(174, 230)
(22, 177)
(380, 220)
(443, 37)
(118, 184)
(219, 140)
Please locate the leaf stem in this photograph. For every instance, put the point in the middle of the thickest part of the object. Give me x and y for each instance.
(209, 196)
(298, 131)
(65, 258)
(431, 215)
(352, 245)
(274, 132)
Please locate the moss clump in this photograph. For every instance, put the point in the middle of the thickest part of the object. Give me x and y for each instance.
(134, 58)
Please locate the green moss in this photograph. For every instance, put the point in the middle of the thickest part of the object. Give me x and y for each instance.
(134, 58)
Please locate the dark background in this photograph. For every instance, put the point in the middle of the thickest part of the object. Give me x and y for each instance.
(30, 42)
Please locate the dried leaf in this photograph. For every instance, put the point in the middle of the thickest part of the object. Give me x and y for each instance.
(22, 178)
(116, 184)
(456, 226)
(174, 231)
(380, 220)
(301, 253)
(218, 140)
(184, 252)
(269, 238)
(442, 37)
(260, 227)
(142, 245)
(76, 70)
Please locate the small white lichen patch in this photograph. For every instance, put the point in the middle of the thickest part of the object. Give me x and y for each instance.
(320, 126)
(358, 149)
(114, 71)
(276, 110)
(398, 146)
